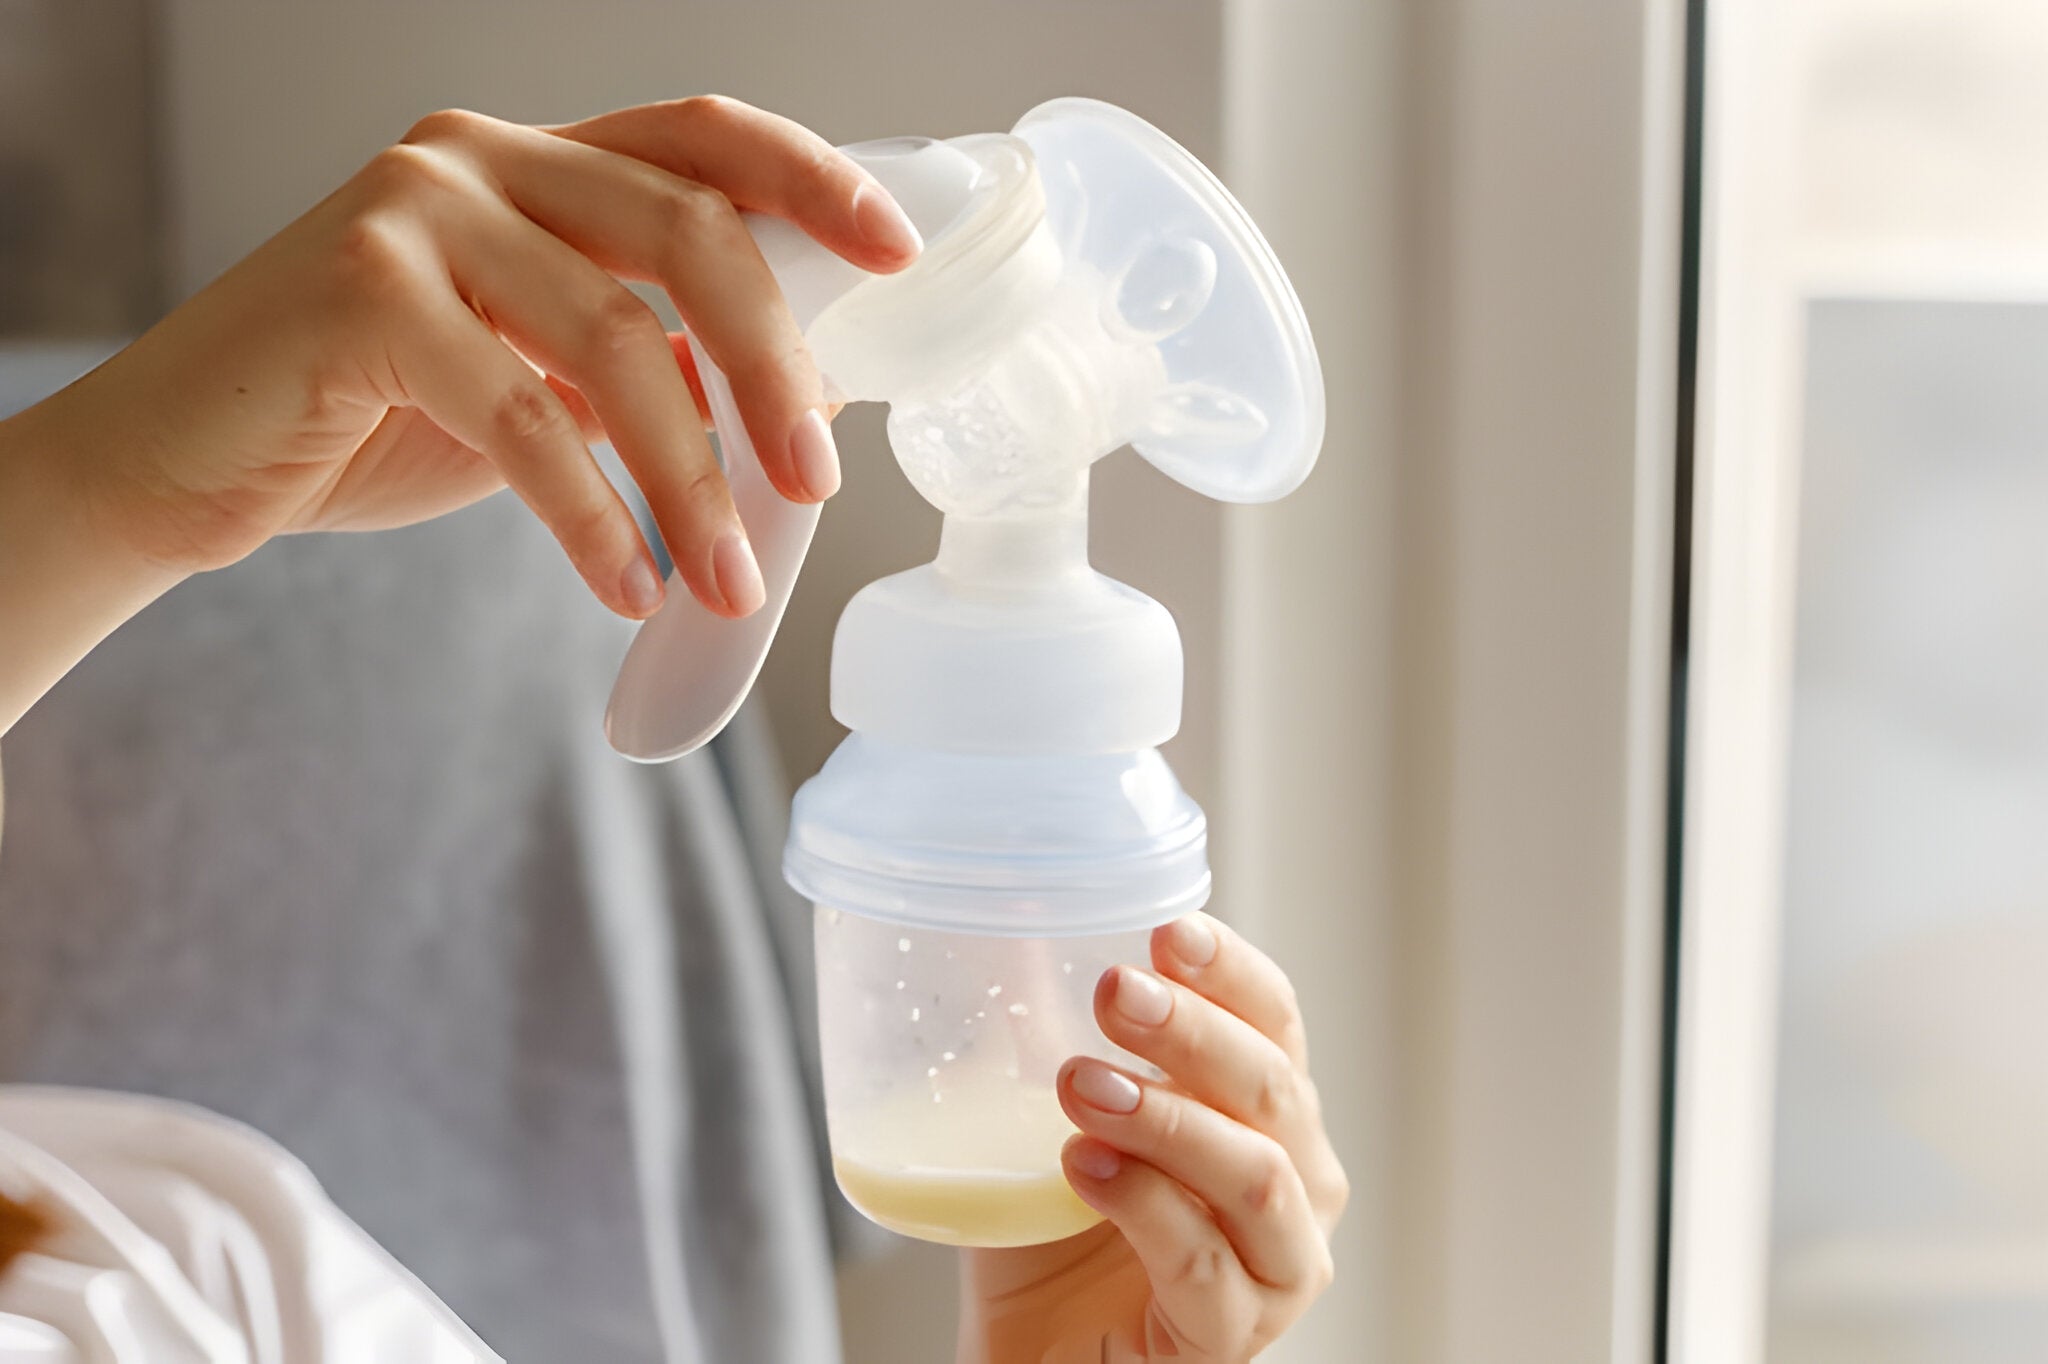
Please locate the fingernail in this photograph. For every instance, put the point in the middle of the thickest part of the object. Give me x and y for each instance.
(1100, 1087)
(814, 456)
(1095, 1160)
(1192, 940)
(1141, 997)
(641, 586)
(883, 222)
(738, 575)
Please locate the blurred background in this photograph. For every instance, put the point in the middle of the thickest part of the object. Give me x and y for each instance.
(1909, 1212)
(1634, 739)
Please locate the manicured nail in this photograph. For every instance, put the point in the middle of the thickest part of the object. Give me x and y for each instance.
(1141, 997)
(1100, 1087)
(814, 456)
(883, 222)
(1192, 940)
(1095, 1160)
(739, 576)
(641, 586)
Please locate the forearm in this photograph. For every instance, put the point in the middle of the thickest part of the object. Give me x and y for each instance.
(65, 582)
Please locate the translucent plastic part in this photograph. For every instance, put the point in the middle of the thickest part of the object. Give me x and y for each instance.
(1086, 283)
(1082, 665)
(688, 670)
(940, 1055)
(1014, 846)
(1241, 416)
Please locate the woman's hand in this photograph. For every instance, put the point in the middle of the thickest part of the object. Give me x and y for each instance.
(356, 372)
(369, 367)
(1219, 1183)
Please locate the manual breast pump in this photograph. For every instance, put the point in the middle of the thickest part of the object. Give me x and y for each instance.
(999, 827)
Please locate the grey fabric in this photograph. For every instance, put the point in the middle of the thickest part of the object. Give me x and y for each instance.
(330, 842)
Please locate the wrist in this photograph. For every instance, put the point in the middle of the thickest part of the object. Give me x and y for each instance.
(988, 1334)
(998, 1327)
(983, 1342)
(66, 581)
(1023, 1338)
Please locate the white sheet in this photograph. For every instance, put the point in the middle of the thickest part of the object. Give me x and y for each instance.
(182, 1237)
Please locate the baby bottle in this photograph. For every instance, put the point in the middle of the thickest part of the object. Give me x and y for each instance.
(997, 831)
(999, 827)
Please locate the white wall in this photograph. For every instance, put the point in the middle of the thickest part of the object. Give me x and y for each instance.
(1444, 701)
(78, 256)
(1313, 127)
(1534, 493)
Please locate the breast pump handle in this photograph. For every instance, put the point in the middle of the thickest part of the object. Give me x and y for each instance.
(714, 659)
(704, 665)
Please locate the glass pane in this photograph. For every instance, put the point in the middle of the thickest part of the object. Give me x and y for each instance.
(1910, 1218)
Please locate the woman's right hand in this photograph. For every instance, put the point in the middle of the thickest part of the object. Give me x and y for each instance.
(369, 366)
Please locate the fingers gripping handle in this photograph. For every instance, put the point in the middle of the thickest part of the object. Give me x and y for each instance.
(688, 670)
(704, 665)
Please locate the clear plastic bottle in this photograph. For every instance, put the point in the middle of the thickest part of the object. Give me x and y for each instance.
(940, 1054)
(967, 907)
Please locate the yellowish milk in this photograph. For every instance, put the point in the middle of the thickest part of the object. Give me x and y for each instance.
(979, 1167)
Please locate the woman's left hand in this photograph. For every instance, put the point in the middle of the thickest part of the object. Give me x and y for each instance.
(1219, 1182)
